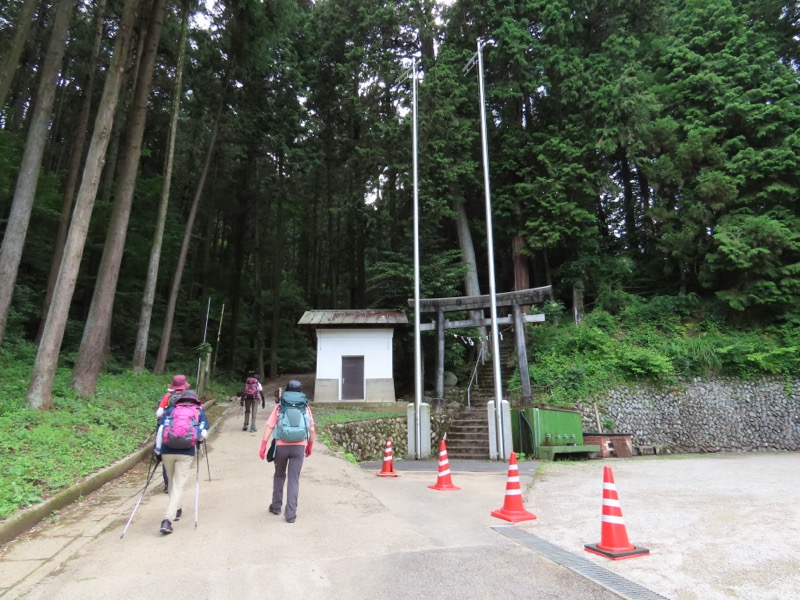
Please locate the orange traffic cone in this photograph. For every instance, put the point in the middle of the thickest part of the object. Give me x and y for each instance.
(443, 481)
(614, 542)
(387, 470)
(513, 510)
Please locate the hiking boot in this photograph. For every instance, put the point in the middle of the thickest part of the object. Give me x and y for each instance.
(291, 519)
(252, 430)
(275, 511)
(166, 488)
(245, 427)
(166, 526)
(178, 514)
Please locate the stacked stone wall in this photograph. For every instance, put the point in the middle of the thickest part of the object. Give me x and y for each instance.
(704, 415)
(366, 440)
(696, 415)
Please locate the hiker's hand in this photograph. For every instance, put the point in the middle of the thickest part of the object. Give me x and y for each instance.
(263, 451)
(203, 434)
(155, 457)
(159, 412)
(308, 448)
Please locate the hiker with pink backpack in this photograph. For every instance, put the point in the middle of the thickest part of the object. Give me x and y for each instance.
(250, 396)
(181, 428)
(176, 388)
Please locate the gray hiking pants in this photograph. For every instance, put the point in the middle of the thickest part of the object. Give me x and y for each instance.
(250, 404)
(291, 457)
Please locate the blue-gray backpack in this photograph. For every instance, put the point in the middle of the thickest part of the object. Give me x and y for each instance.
(292, 418)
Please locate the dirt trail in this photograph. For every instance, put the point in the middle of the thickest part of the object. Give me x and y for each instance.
(307, 379)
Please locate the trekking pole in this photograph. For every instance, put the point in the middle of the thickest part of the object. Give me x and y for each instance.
(153, 464)
(208, 464)
(196, 489)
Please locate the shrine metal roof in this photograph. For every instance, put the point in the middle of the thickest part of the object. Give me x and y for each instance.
(353, 318)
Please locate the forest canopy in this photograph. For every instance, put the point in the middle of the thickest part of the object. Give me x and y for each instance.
(161, 160)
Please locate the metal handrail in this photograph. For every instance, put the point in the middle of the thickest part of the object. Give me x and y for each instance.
(474, 377)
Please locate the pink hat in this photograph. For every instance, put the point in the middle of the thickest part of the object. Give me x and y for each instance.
(179, 383)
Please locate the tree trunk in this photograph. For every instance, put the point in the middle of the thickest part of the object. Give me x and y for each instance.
(258, 297)
(143, 331)
(166, 333)
(235, 292)
(22, 204)
(44, 368)
(521, 276)
(629, 204)
(471, 284)
(646, 227)
(11, 62)
(277, 275)
(74, 168)
(98, 323)
(20, 96)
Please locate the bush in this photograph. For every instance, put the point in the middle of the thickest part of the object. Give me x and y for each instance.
(42, 452)
(653, 341)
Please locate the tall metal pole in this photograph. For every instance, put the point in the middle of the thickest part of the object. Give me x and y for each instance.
(412, 72)
(417, 334)
(498, 384)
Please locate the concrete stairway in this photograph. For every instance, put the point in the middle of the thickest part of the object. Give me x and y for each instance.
(483, 390)
(468, 435)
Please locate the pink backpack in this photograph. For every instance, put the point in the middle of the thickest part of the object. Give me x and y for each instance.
(180, 429)
(251, 388)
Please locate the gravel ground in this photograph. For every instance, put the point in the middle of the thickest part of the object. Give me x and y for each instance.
(718, 526)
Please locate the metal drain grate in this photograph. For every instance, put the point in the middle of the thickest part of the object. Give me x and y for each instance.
(601, 576)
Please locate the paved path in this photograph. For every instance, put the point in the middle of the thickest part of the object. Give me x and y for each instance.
(719, 527)
(356, 536)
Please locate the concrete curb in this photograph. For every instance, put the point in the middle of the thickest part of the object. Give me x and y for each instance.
(23, 520)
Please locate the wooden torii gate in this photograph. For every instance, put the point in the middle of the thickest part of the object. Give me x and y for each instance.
(516, 300)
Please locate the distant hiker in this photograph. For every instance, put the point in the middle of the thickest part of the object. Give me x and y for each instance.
(178, 385)
(251, 394)
(293, 424)
(180, 429)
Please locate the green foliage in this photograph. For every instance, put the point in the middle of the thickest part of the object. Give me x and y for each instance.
(10, 155)
(653, 340)
(391, 280)
(329, 415)
(203, 350)
(43, 452)
(756, 259)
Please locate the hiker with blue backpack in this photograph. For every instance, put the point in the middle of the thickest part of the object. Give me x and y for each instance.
(181, 428)
(292, 423)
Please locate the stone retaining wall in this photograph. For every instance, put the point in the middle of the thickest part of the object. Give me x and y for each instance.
(366, 440)
(699, 415)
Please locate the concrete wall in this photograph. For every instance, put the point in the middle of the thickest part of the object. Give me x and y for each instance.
(326, 390)
(375, 345)
(380, 390)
